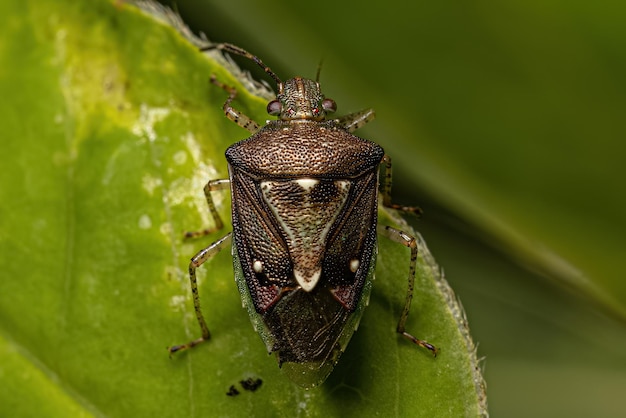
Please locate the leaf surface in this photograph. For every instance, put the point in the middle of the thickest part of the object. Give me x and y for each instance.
(111, 131)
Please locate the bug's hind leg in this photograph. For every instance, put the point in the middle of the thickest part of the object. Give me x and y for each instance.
(408, 241)
(200, 258)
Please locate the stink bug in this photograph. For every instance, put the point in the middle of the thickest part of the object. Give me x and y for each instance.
(304, 213)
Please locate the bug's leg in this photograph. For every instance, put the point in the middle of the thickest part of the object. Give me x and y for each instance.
(211, 186)
(233, 114)
(355, 120)
(197, 260)
(408, 241)
(386, 192)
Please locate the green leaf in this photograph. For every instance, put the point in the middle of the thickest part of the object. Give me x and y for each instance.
(111, 131)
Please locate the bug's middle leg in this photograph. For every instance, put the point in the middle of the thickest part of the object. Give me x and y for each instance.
(211, 186)
(386, 190)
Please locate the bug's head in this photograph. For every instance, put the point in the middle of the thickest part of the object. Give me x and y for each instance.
(300, 98)
(297, 99)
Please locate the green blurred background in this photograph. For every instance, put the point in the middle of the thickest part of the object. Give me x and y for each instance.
(505, 121)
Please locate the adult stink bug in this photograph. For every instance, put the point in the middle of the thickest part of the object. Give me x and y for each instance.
(304, 212)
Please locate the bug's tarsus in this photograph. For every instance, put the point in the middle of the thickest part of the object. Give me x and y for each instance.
(424, 344)
(176, 348)
(386, 191)
(199, 233)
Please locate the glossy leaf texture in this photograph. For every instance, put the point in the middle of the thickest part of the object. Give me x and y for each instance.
(110, 130)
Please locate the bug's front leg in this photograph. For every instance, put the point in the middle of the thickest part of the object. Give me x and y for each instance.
(233, 114)
(408, 241)
(200, 258)
(211, 186)
(386, 190)
(355, 120)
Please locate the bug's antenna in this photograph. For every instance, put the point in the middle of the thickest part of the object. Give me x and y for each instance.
(319, 70)
(239, 51)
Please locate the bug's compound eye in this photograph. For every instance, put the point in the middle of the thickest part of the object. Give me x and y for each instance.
(274, 107)
(329, 105)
